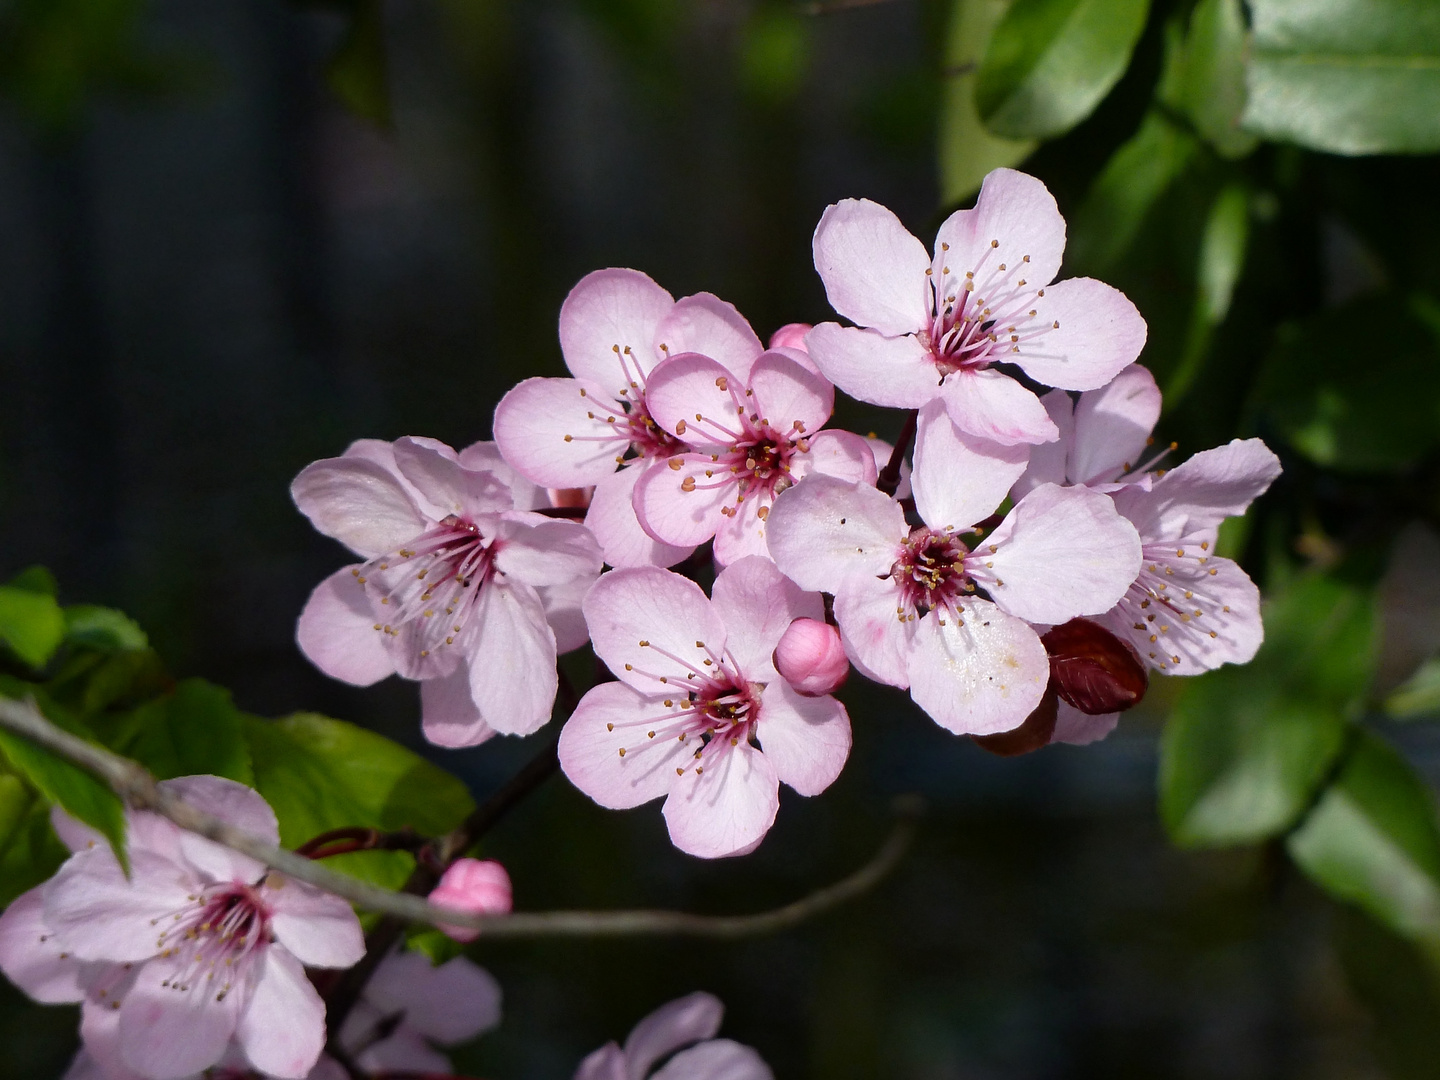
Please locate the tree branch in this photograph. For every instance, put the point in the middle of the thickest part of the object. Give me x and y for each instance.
(889, 479)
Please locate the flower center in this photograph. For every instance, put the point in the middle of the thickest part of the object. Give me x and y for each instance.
(215, 937)
(981, 316)
(647, 438)
(930, 572)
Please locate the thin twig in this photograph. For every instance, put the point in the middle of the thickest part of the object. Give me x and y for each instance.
(830, 7)
(889, 479)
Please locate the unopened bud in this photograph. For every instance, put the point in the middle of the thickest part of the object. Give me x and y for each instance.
(474, 885)
(811, 658)
(1034, 733)
(1092, 669)
(791, 336)
(570, 498)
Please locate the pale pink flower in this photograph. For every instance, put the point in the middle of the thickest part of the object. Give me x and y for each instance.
(462, 589)
(811, 657)
(700, 715)
(687, 1025)
(198, 946)
(744, 439)
(595, 430)
(933, 327)
(475, 885)
(907, 599)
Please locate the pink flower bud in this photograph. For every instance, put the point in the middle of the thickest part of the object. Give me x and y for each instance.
(791, 336)
(811, 658)
(482, 887)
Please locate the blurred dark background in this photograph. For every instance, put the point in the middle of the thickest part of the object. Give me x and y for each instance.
(213, 272)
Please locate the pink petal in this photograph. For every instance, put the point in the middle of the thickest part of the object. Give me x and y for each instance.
(696, 398)
(707, 325)
(449, 715)
(789, 397)
(675, 1024)
(757, 604)
(450, 1003)
(100, 1026)
(480, 886)
(1080, 729)
(1100, 332)
(562, 611)
(882, 451)
(666, 611)
(75, 835)
(742, 535)
(439, 476)
(1112, 425)
(32, 957)
(796, 352)
(1060, 553)
(512, 659)
(532, 423)
(99, 915)
(681, 506)
(959, 479)
(873, 269)
(824, 532)
(550, 553)
(234, 804)
(897, 372)
(358, 503)
(318, 928)
(382, 453)
(845, 456)
(989, 405)
(727, 809)
(978, 674)
(612, 520)
(807, 739)
(1015, 209)
(168, 1031)
(1049, 462)
(282, 1030)
(611, 716)
(608, 312)
(337, 632)
(485, 456)
(1194, 497)
(402, 1051)
(876, 640)
(718, 1059)
(607, 1063)
(790, 336)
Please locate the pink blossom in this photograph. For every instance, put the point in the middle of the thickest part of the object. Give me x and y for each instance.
(199, 946)
(811, 657)
(907, 598)
(700, 715)
(462, 589)
(596, 429)
(688, 1025)
(790, 336)
(481, 887)
(933, 327)
(743, 440)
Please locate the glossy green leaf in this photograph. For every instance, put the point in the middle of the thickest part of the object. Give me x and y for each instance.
(31, 623)
(358, 72)
(1205, 76)
(1419, 695)
(1222, 257)
(1051, 62)
(29, 849)
(1346, 76)
(1372, 840)
(104, 629)
(195, 730)
(1246, 747)
(321, 774)
(967, 150)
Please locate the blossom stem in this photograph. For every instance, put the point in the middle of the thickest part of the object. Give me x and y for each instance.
(344, 841)
(889, 478)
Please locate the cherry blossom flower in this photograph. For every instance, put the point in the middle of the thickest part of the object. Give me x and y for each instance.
(812, 658)
(197, 947)
(474, 885)
(688, 1025)
(907, 599)
(934, 328)
(462, 588)
(743, 440)
(596, 429)
(700, 715)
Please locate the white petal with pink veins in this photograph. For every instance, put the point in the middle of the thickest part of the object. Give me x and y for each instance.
(667, 612)
(357, 502)
(1113, 425)
(725, 804)
(1099, 333)
(987, 404)
(675, 1024)
(282, 1030)
(100, 915)
(441, 479)
(876, 637)
(843, 455)
(873, 269)
(697, 399)
(959, 480)
(177, 1019)
(742, 535)
(788, 397)
(1060, 553)
(705, 324)
(1195, 496)
(610, 717)
(1019, 212)
(612, 519)
(485, 456)
(978, 674)
(561, 432)
(681, 506)
(382, 453)
(897, 372)
(318, 928)
(608, 312)
(449, 715)
(32, 957)
(337, 632)
(718, 1059)
(1049, 462)
(807, 739)
(757, 604)
(824, 532)
(512, 659)
(547, 553)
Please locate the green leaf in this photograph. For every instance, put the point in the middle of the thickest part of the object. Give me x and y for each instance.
(967, 150)
(1051, 62)
(357, 71)
(1419, 695)
(1346, 76)
(1380, 415)
(36, 579)
(31, 623)
(435, 944)
(774, 54)
(104, 629)
(1372, 841)
(1246, 747)
(1205, 76)
(321, 774)
(29, 849)
(195, 730)
(1397, 984)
